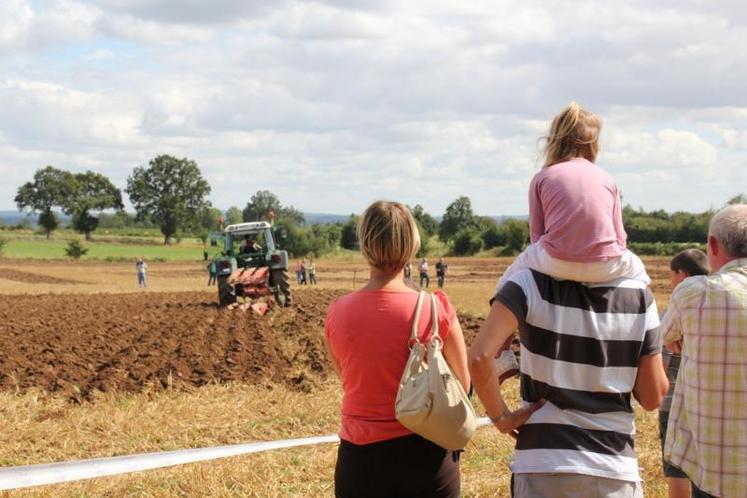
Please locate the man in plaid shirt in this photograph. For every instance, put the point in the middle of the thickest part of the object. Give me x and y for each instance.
(707, 320)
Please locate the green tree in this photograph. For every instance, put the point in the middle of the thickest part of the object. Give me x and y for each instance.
(90, 192)
(517, 234)
(75, 249)
(263, 201)
(458, 216)
(425, 240)
(50, 188)
(234, 216)
(737, 199)
(494, 236)
(170, 192)
(208, 219)
(349, 234)
(427, 222)
(467, 242)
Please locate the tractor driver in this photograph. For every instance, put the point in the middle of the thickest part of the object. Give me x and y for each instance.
(248, 245)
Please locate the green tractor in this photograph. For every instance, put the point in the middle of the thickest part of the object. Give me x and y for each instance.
(251, 264)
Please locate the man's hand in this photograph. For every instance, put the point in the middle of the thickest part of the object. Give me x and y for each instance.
(675, 347)
(509, 422)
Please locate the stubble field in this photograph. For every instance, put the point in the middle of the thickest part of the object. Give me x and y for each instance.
(92, 366)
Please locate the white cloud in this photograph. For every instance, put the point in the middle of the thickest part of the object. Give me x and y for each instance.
(348, 102)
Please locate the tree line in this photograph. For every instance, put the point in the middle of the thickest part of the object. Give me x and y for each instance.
(171, 194)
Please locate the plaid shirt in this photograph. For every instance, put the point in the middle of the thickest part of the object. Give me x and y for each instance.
(707, 435)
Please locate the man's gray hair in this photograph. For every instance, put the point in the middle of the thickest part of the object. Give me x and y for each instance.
(729, 227)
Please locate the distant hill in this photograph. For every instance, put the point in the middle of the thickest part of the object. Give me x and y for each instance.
(15, 217)
(325, 218)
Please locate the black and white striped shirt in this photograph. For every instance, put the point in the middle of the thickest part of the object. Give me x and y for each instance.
(580, 349)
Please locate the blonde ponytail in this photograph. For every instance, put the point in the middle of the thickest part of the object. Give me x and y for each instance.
(573, 133)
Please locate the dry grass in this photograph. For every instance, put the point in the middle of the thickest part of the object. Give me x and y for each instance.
(41, 428)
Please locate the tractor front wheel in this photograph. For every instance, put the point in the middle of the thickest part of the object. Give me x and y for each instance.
(281, 286)
(226, 292)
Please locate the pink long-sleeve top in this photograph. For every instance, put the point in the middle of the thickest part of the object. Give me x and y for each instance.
(575, 212)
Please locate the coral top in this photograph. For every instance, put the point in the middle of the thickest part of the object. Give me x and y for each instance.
(575, 212)
(368, 332)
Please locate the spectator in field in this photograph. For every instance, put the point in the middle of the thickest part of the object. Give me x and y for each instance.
(142, 268)
(367, 333)
(585, 348)
(299, 273)
(407, 271)
(707, 321)
(304, 273)
(441, 268)
(575, 213)
(688, 263)
(312, 272)
(424, 277)
(212, 268)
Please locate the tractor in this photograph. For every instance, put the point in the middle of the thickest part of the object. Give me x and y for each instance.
(251, 265)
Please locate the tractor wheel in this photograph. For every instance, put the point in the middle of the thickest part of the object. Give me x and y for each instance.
(281, 286)
(226, 292)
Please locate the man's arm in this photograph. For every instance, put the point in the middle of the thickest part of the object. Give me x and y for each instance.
(496, 329)
(671, 322)
(651, 383)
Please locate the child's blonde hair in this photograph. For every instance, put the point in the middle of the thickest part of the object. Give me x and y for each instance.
(388, 235)
(573, 133)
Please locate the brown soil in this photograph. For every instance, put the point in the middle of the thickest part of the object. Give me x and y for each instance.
(76, 345)
(33, 278)
(79, 344)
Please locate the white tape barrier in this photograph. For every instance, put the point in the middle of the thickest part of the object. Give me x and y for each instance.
(55, 473)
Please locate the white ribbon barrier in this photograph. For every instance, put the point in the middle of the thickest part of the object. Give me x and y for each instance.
(55, 473)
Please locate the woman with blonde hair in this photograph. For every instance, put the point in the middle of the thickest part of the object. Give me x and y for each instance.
(575, 214)
(367, 334)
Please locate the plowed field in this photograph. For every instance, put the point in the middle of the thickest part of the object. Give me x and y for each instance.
(76, 344)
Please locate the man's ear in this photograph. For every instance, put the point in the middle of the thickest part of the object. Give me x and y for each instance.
(713, 245)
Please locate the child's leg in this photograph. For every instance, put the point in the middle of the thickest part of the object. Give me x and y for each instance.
(528, 259)
(628, 265)
(505, 361)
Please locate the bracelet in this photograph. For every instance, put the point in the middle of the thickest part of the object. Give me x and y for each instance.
(500, 417)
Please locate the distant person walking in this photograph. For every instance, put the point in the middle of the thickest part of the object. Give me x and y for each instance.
(407, 271)
(213, 271)
(299, 273)
(423, 269)
(441, 268)
(142, 268)
(304, 273)
(312, 272)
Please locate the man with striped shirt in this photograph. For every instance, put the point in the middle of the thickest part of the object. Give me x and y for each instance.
(585, 348)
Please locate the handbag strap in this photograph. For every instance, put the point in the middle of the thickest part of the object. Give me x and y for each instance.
(416, 319)
(434, 319)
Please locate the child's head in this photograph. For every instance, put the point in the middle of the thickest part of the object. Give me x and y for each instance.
(573, 133)
(688, 263)
(388, 236)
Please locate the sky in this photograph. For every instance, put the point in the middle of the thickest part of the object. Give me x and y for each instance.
(333, 104)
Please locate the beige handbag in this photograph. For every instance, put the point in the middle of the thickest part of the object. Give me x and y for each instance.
(431, 402)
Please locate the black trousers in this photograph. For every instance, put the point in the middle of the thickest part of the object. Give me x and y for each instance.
(409, 466)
